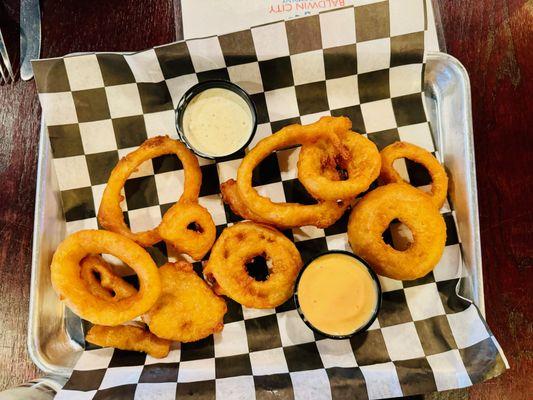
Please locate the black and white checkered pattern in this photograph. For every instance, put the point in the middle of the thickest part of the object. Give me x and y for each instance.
(99, 107)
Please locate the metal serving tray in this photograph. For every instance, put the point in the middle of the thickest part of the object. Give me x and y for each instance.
(55, 336)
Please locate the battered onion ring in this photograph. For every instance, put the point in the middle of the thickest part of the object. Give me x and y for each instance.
(175, 229)
(362, 167)
(439, 186)
(238, 245)
(373, 214)
(290, 214)
(110, 214)
(128, 337)
(67, 281)
(110, 286)
(230, 196)
(187, 310)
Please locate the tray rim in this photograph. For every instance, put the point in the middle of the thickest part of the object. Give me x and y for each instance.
(40, 191)
(44, 157)
(468, 133)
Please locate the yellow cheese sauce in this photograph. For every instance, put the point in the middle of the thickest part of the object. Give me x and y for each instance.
(217, 122)
(337, 294)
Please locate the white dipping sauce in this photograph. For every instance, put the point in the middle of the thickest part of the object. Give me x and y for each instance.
(217, 122)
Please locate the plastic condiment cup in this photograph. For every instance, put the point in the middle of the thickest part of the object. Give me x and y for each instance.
(196, 90)
(378, 295)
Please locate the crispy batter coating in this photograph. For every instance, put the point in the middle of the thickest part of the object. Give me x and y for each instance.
(230, 196)
(68, 283)
(439, 186)
(318, 162)
(189, 228)
(110, 214)
(291, 214)
(372, 216)
(187, 310)
(110, 286)
(128, 337)
(239, 245)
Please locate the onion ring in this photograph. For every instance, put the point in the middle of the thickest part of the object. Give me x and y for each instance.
(362, 167)
(110, 286)
(67, 281)
(230, 196)
(128, 337)
(292, 214)
(110, 214)
(372, 216)
(238, 245)
(187, 310)
(175, 228)
(439, 187)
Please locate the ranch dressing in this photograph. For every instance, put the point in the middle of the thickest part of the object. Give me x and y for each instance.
(337, 294)
(217, 122)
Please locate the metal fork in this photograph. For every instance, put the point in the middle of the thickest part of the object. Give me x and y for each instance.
(5, 65)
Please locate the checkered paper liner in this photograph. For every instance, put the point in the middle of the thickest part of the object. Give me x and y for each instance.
(99, 107)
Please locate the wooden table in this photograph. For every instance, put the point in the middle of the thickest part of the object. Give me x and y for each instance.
(492, 38)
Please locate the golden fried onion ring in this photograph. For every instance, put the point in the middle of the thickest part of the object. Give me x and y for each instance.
(110, 214)
(439, 186)
(187, 310)
(290, 214)
(128, 337)
(68, 283)
(110, 286)
(189, 228)
(230, 196)
(372, 216)
(240, 244)
(362, 167)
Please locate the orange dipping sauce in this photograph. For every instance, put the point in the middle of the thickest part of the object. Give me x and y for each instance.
(337, 294)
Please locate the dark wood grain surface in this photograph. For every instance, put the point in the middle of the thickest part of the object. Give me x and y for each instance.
(492, 38)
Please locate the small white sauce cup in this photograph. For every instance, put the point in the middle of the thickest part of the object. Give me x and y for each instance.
(196, 90)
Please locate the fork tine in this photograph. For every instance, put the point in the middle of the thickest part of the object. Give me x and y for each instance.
(5, 57)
